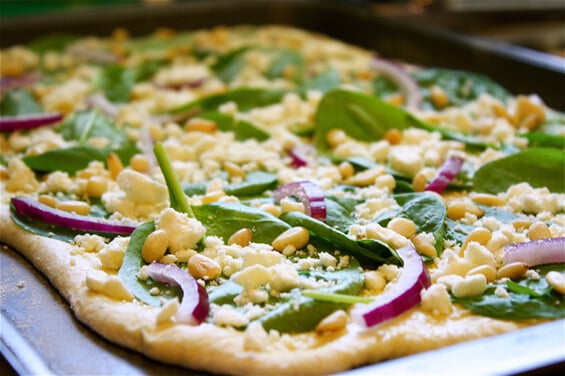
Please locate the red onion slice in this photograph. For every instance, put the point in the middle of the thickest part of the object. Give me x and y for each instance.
(9, 83)
(537, 252)
(10, 124)
(404, 295)
(297, 157)
(407, 85)
(194, 306)
(447, 172)
(27, 206)
(309, 193)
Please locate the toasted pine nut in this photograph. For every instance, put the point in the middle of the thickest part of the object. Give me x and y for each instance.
(168, 259)
(115, 165)
(271, 209)
(538, 230)
(155, 246)
(336, 137)
(513, 270)
(297, 237)
(234, 170)
(479, 234)
(47, 200)
(528, 113)
(457, 209)
(486, 199)
(488, 271)
(346, 169)
(212, 196)
(139, 163)
(96, 186)
(557, 281)
(335, 321)
(422, 246)
(202, 267)
(366, 177)
(521, 224)
(419, 182)
(439, 97)
(393, 136)
(501, 111)
(402, 226)
(241, 237)
(72, 206)
(200, 125)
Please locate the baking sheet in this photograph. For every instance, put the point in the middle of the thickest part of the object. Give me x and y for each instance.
(39, 334)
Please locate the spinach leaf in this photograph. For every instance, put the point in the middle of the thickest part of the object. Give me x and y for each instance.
(223, 219)
(76, 158)
(255, 183)
(540, 167)
(300, 314)
(19, 102)
(427, 211)
(86, 125)
(228, 65)
(117, 81)
(245, 99)
(460, 86)
(369, 252)
(531, 299)
(324, 82)
(132, 263)
(383, 87)
(286, 59)
(243, 130)
(340, 212)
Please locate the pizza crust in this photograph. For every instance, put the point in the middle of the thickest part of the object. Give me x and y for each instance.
(221, 350)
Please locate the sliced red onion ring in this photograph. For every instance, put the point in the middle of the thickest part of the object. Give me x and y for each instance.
(537, 252)
(309, 193)
(404, 295)
(402, 79)
(9, 83)
(298, 159)
(194, 306)
(27, 206)
(10, 124)
(447, 172)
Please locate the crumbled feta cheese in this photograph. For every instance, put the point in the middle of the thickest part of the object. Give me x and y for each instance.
(436, 300)
(183, 232)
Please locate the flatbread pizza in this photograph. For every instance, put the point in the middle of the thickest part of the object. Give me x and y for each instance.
(267, 200)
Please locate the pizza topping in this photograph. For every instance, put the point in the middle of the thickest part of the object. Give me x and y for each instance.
(25, 122)
(194, 306)
(309, 193)
(28, 207)
(109, 284)
(402, 296)
(446, 174)
(399, 75)
(537, 252)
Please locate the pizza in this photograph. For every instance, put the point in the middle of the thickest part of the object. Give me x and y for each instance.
(268, 200)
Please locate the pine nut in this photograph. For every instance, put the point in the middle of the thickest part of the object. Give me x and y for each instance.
(241, 237)
(528, 114)
(234, 170)
(297, 237)
(488, 200)
(521, 224)
(366, 177)
(346, 170)
(402, 226)
(139, 163)
(47, 200)
(480, 235)
(539, 230)
(155, 246)
(271, 209)
(458, 209)
(96, 186)
(419, 182)
(488, 271)
(202, 267)
(393, 136)
(336, 137)
(513, 270)
(72, 206)
(335, 321)
(212, 197)
(423, 246)
(557, 281)
(200, 125)
(115, 165)
(439, 97)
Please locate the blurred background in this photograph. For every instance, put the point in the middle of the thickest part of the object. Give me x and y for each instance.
(536, 24)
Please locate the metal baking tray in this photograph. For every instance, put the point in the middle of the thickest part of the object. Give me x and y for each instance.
(38, 332)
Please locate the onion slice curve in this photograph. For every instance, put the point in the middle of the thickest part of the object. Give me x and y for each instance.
(537, 252)
(24, 122)
(28, 207)
(404, 295)
(408, 86)
(309, 193)
(195, 305)
(447, 172)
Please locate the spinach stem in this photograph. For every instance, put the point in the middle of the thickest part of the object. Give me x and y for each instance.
(176, 194)
(336, 298)
(88, 127)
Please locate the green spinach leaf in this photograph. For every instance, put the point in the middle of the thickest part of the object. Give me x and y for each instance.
(19, 102)
(243, 130)
(324, 82)
(228, 65)
(86, 125)
(540, 167)
(286, 59)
